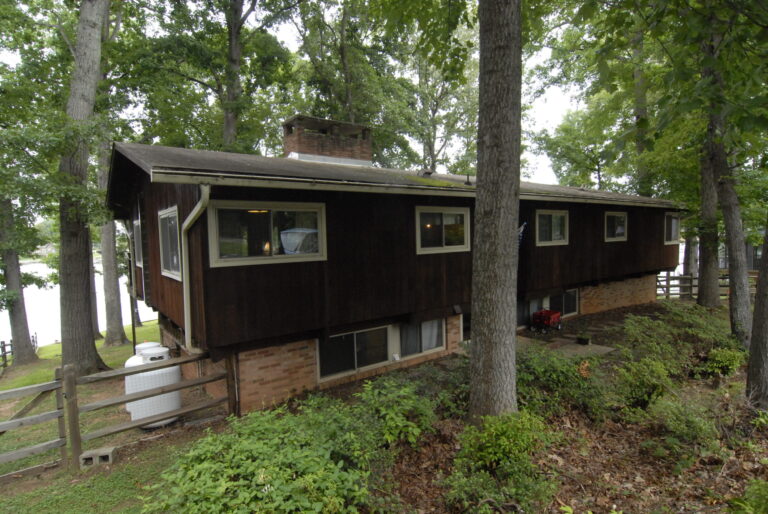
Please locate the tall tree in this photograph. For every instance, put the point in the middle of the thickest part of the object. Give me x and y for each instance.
(757, 373)
(493, 388)
(78, 346)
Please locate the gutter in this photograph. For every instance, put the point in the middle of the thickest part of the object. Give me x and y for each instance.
(197, 211)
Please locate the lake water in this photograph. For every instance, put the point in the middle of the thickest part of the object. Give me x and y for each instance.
(43, 311)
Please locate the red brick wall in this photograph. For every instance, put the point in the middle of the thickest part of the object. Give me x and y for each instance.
(317, 143)
(611, 295)
(270, 375)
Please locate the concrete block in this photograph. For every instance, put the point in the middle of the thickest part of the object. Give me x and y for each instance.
(97, 457)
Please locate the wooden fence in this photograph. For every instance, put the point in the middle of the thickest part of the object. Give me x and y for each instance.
(686, 286)
(6, 350)
(68, 408)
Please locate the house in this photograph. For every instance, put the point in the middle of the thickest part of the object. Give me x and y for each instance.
(315, 269)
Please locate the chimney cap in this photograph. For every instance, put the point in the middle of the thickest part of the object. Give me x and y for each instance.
(343, 128)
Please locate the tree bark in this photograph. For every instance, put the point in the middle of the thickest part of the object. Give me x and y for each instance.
(233, 88)
(78, 346)
(345, 69)
(709, 273)
(493, 375)
(94, 301)
(716, 155)
(644, 182)
(757, 372)
(23, 351)
(690, 256)
(115, 334)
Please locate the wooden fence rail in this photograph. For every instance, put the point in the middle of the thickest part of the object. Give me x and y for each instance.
(686, 286)
(69, 408)
(6, 349)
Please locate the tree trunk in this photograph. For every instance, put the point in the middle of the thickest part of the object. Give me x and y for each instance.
(78, 346)
(94, 301)
(690, 256)
(233, 87)
(493, 375)
(757, 373)
(344, 57)
(23, 351)
(709, 294)
(715, 153)
(644, 182)
(114, 312)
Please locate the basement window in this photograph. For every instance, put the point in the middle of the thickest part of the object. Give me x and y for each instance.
(170, 258)
(442, 229)
(244, 233)
(350, 352)
(615, 226)
(672, 228)
(421, 337)
(551, 228)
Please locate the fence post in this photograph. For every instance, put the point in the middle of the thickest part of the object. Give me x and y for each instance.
(669, 287)
(61, 422)
(5, 357)
(231, 365)
(73, 415)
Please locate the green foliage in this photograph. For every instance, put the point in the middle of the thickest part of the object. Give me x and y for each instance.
(686, 431)
(494, 468)
(404, 414)
(323, 458)
(760, 421)
(754, 501)
(722, 362)
(549, 383)
(640, 383)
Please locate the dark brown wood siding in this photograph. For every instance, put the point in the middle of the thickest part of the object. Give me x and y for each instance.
(587, 258)
(372, 273)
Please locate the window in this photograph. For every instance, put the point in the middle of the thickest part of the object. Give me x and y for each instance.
(242, 233)
(421, 337)
(672, 228)
(138, 253)
(170, 258)
(349, 352)
(615, 226)
(442, 229)
(567, 303)
(551, 228)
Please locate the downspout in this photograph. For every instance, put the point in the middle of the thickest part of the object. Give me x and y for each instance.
(197, 211)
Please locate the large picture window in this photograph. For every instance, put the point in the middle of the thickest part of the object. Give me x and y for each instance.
(671, 228)
(615, 226)
(551, 228)
(349, 352)
(170, 257)
(261, 233)
(442, 229)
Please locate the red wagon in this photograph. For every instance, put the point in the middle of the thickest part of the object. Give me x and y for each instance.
(545, 320)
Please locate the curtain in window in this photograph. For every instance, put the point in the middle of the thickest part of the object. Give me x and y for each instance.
(431, 334)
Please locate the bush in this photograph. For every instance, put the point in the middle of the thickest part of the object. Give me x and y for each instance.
(266, 464)
(321, 459)
(657, 340)
(686, 431)
(754, 501)
(494, 467)
(722, 362)
(549, 383)
(642, 382)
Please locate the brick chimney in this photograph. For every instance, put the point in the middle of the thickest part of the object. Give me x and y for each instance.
(316, 139)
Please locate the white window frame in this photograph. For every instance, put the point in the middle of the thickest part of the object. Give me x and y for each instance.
(674, 215)
(213, 233)
(626, 226)
(443, 210)
(559, 242)
(170, 211)
(138, 249)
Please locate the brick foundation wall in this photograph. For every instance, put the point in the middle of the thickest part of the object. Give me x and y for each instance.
(623, 293)
(268, 376)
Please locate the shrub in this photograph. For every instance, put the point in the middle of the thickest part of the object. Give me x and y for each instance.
(657, 340)
(404, 415)
(494, 466)
(548, 383)
(267, 463)
(642, 382)
(722, 362)
(754, 501)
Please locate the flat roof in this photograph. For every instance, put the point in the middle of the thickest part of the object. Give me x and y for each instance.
(182, 165)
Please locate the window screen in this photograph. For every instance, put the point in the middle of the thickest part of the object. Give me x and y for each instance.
(170, 260)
